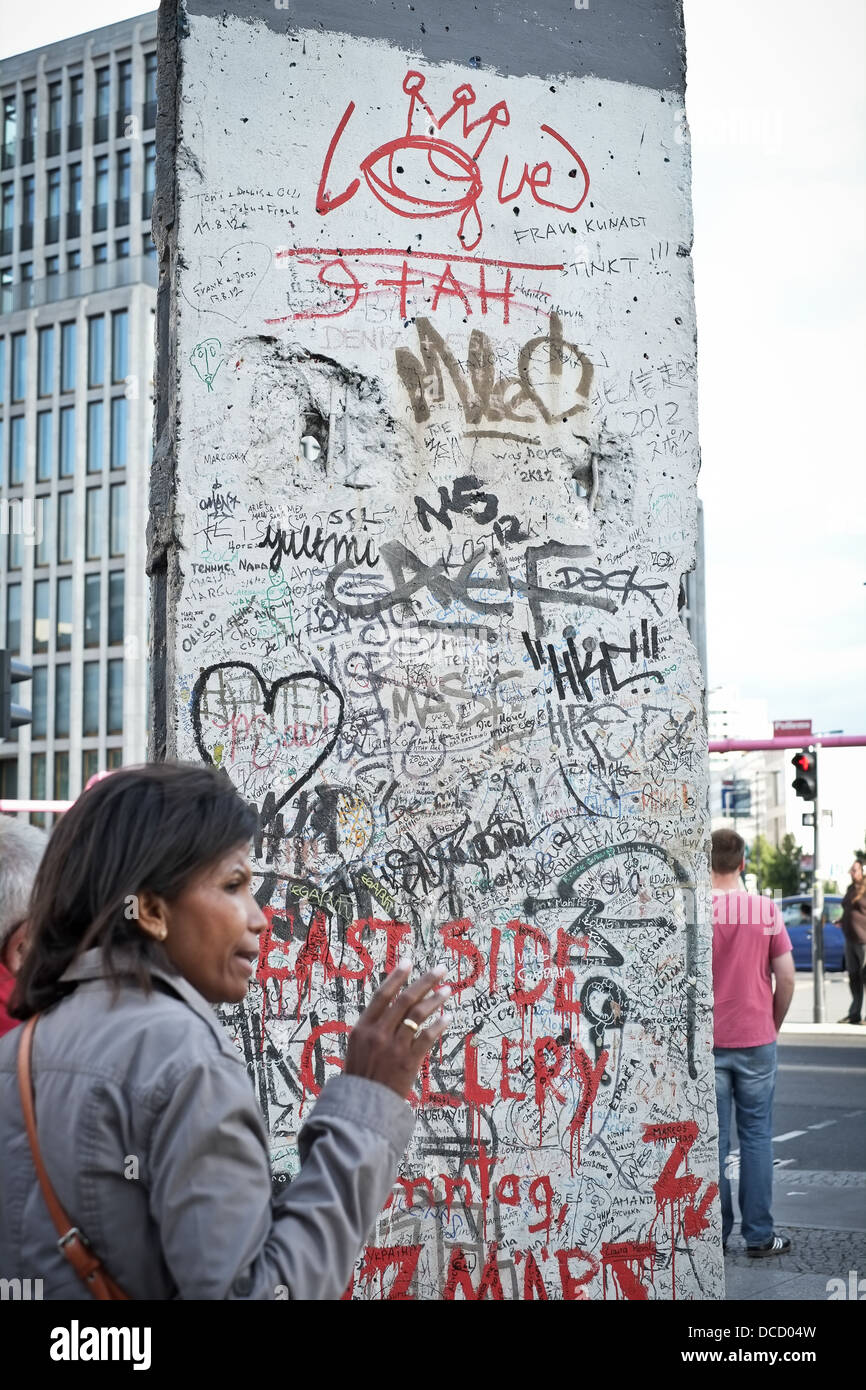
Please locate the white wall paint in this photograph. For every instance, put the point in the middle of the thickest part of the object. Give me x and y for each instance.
(427, 754)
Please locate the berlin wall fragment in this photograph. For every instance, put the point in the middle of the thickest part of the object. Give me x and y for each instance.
(424, 495)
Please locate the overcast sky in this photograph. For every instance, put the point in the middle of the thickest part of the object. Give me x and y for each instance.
(775, 102)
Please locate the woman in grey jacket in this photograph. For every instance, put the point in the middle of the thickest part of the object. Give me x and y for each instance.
(142, 918)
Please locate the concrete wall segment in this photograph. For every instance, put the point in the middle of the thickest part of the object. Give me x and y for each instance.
(424, 496)
(637, 41)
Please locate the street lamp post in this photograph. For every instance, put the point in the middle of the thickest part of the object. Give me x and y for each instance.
(819, 1008)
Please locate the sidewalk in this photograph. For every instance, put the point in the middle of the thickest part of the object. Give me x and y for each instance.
(834, 1241)
(837, 997)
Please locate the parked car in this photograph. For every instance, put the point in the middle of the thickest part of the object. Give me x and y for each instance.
(797, 914)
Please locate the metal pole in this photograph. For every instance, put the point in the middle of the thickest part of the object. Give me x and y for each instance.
(819, 1010)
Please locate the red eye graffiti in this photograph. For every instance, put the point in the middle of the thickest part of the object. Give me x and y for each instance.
(423, 174)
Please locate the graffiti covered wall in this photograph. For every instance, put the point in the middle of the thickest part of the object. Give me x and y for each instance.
(425, 493)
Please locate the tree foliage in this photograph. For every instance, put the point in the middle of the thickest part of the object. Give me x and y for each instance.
(777, 868)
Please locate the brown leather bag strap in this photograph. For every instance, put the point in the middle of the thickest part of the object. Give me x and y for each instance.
(72, 1243)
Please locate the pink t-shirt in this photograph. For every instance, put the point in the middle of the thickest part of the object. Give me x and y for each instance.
(748, 932)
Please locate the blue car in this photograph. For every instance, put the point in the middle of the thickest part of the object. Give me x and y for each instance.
(797, 913)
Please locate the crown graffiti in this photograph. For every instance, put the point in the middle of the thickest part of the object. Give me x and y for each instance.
(422, 122)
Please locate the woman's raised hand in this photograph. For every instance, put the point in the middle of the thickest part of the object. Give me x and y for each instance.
(389, 1042)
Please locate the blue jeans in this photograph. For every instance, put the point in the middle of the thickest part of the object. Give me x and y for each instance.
(747, 1076)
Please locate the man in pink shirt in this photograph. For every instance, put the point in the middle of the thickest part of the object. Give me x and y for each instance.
(751, 949)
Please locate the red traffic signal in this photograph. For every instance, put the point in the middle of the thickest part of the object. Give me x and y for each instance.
(805, 784)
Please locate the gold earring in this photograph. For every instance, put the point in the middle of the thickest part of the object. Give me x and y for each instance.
(162, 933)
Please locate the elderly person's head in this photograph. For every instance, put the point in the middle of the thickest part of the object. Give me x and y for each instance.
(21, 850)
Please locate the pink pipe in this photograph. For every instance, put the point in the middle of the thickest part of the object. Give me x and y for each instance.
(744, 745)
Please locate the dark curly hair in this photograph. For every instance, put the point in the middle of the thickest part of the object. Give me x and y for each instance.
(142, 828)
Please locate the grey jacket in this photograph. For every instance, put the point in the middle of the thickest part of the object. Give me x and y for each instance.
(155, 1078)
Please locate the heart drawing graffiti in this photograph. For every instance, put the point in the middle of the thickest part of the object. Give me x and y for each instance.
(268, 736)
(226, 285)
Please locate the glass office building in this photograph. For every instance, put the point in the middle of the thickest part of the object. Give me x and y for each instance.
(77, 302)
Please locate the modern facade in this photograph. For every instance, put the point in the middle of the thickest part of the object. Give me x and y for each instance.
(748, 791)
(77, 302)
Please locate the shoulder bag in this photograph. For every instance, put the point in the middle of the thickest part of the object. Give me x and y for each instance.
(72, 1243)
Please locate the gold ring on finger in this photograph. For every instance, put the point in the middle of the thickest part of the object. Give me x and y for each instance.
(410, 1023)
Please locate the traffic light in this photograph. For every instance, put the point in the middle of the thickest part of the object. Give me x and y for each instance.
(805, 784)
(12, 715)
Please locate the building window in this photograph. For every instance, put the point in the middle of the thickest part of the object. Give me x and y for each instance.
(55, 105)
(25, 272)
(115, 607)
(13, 618)
(125, 126)
(65, 531)
(67, 356)
(149, 179)
(114, 700)
(7, 219)
(55, 117)
(52, 265)
(45, 356)
(17, 451)
(44, 533)
(96, 351)
(113, 759)
(2, 369)
(40, 702)
(37, 787)
(63, 637)
(90, 721)
(73, 206)
(10, 122)
(147, 247)
(95, 436)
(117, 520)
(149, 90)
(89, 765)
(119, 345)
(44, 442)
(100, 193)
(92, 608)
(100, 254)
(76, 111)
(61, 700)
(41, 614)
(121, 205)
(121, 249)
(52, 203)
(93, 524)
(103, 104)
(73, 260)
(61, 776)
(19, 366)
(28, 135)
(67, 441)
(9, 779)
(14, 553)
(28, 206)
(118, 431)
